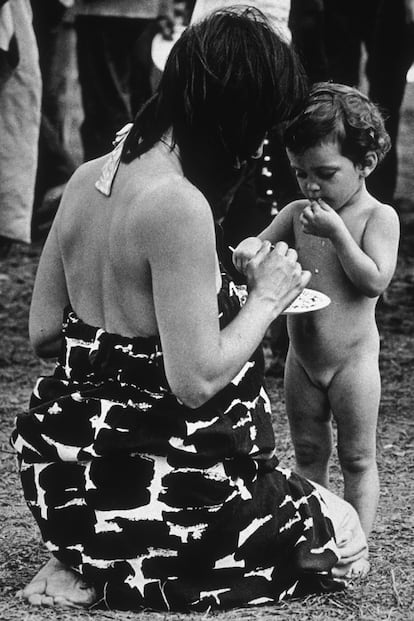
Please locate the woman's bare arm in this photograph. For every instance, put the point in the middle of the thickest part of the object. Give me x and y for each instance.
(199, 358)
(49, 298)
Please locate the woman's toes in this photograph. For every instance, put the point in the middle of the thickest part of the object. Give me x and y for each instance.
(37, 587)
(359, 569)
(62, 602)
(35, 599)
(47, 600)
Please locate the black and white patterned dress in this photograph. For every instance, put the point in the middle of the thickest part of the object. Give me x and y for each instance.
(159, 505)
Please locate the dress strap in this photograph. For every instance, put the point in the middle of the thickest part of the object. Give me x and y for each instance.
(106, 180)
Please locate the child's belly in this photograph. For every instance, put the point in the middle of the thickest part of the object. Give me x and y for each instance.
(326, 340)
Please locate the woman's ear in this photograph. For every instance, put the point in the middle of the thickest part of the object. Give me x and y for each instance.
(369, 164)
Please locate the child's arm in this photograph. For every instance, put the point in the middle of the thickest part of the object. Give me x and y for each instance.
(280, 229)
(370, 266)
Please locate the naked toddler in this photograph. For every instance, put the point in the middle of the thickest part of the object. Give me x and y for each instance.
(349, 241)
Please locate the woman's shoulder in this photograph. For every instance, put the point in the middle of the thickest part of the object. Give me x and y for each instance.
(80, 185)
(178, 189)
(176, 203)
(88, 169)
(167, 214)
(82, 182)
(167, 192)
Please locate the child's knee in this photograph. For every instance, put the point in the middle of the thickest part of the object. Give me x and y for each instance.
(357, 462)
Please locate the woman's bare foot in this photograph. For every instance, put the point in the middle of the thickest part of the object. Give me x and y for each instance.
(353, 570)
(57, 585)
(359, 569)
(352, 544)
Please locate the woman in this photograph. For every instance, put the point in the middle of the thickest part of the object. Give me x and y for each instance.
(147, 459)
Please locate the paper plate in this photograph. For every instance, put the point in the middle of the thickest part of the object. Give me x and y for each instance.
(309, 300)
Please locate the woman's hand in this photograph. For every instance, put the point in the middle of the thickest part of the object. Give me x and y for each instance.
(245, 251)
(319, 219)
(276, 276)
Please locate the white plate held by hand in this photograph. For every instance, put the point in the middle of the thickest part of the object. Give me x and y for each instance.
(309, 300)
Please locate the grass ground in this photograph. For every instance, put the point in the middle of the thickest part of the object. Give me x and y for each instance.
(388, 593)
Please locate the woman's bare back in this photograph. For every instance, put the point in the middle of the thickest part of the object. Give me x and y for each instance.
(107, 236)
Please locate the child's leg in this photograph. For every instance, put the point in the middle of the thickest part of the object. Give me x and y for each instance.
(354, 395)
(308, 412)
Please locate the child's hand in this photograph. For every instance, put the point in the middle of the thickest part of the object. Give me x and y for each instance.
(245, 251)
(319, 219)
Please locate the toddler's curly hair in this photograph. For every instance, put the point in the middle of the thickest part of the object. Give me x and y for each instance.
(341, 113)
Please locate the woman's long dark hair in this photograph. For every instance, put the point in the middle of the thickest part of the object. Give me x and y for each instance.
(228, 80)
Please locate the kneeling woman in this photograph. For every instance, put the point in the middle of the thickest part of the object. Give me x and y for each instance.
(147, 458)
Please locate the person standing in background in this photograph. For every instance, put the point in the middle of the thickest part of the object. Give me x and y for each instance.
(329, 35)
(20, 98)
(307, 27)
(56, 164)
(114, 63)
(391, 56)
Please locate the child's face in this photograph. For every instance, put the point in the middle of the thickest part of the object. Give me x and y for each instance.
(323, 172)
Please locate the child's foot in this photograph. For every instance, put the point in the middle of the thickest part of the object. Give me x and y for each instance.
(57, 585)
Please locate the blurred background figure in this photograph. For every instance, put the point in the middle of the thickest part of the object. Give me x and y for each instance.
(338, 38)
(114, 40)
(20, 95)
(162, 45)
(307, 26)
(55, 40)
(104, 49)
(390, 55)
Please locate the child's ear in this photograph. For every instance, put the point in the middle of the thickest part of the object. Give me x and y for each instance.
(369, 164)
